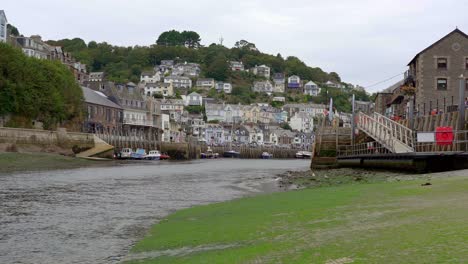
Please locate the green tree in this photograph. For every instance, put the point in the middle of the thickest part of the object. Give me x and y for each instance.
(191, 39)
(218, 69)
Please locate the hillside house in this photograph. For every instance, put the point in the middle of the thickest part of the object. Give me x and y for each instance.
(294, 82)
(205, 83)
(279, 81)
(194, 99)
(191, 70)
(236, 65)
(179, 82)
(263, 87)
(262, 71)
(164, 89)
(150, 77)
(224, 87)
(311, 89)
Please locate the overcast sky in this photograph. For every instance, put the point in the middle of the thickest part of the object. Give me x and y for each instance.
(365, 41)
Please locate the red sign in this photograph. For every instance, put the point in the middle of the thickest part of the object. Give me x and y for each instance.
(444, 136)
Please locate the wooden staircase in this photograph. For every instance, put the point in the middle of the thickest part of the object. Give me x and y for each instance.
(395, 137)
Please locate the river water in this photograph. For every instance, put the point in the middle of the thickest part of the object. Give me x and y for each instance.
(95, 215)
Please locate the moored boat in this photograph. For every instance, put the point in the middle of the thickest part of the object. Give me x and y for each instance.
(231, 154)
(266, 155)
(125, 153)
(139, 154)
(153, 155)
(209, 154)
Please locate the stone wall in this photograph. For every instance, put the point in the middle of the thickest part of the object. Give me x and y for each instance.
(455, 50)
(42, 139)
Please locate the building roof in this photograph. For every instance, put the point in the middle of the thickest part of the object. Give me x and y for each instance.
(205, 80)
(148, 73)
(194, 93)
(97, 98)
(437, 42)
(393, 87)
(311, 83)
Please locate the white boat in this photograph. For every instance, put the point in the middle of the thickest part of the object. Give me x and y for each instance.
(153, 155)
(266, 155)
(303, 154)
(125, 153)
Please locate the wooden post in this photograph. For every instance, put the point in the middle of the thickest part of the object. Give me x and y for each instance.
(461, 105)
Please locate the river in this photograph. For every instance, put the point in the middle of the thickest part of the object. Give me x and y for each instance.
(95, 215)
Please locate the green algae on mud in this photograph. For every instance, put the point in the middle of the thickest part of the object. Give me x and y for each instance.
(391, 222)
(21, 162)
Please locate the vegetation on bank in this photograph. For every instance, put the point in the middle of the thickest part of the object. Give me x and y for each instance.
(20, 162)
(33, 89)
(393, 222)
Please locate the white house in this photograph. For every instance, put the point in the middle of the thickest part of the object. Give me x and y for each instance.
(334, 84)
(186, 69)
(206, 83)
(33, 46)
(262, 71)
(214, 134)
(179, 81)
(236, 65)
(165, 89)
(229, 113)
(263, 87)
(224, 87)
(279, 99)
(311, 89)
(194, 99)
(3, 26)
(150, 77)
(302, 121)
(294, 82)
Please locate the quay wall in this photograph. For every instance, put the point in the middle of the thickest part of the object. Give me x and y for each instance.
(44, 139)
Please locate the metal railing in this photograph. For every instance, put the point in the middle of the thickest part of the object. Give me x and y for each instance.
(392, 135)
(369, 148)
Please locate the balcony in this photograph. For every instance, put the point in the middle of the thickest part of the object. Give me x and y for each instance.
(137, 122)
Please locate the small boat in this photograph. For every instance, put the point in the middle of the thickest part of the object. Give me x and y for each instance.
(304, 155)
(266, 155)
(209, 154)
(125, 153)
(231, 154)
(139, 154)
(153, 155)
(164, 156)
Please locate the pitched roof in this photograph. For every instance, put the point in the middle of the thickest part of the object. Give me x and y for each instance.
(437, 42)
(97, 98)
(148, 73)
(393, 87)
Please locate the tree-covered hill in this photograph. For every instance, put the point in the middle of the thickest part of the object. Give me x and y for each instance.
(126, 63)
(33, 89)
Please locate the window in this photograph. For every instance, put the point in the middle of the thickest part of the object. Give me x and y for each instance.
(466, 84)
(466, 63)
(442, 84)
(442, 63)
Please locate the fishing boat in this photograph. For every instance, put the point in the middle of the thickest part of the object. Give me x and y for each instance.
(231, 154)
(153, 155)
(139, 154)
(125, 153)
(266, 155)
(209, 154)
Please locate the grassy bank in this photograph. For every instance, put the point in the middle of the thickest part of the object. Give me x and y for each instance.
(392, 222)
(16, 162)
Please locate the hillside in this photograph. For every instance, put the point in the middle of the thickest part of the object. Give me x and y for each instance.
(123, 64)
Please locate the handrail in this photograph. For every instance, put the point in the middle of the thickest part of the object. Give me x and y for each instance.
(390, 134)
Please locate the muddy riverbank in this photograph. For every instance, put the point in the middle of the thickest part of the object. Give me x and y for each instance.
(95, 215)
